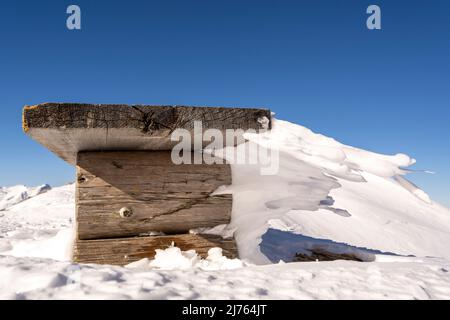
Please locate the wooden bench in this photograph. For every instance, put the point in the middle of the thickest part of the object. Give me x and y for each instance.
(127, 186)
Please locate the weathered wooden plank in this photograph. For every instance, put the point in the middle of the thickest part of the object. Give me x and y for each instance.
(161, 195)
(126, 250)
(68, 128)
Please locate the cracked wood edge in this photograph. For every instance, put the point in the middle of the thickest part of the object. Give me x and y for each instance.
(68, 128)
(79, 115)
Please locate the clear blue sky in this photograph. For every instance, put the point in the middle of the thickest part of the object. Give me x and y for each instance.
(312, 62)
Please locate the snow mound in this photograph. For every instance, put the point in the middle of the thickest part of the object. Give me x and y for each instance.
(174, 259)
(327, 191)
(10, 196)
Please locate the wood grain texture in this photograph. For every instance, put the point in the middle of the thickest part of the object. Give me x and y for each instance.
(68, 128)
(147, 118)
(162, 196)
(126, 250)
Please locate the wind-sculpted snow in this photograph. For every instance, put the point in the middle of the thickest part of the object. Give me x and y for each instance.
(327, 190)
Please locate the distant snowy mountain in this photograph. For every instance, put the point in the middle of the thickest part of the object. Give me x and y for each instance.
(39, 226)
(10, 196)
(327, 199)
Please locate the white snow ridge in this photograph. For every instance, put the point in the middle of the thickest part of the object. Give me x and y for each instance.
(13, 195)
(328, 201)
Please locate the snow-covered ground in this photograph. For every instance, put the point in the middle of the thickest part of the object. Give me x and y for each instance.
(40, 226)
(326, 197)
(32, 278)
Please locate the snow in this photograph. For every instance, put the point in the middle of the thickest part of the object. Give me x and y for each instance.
(329, 191)
(325, 196)
(173, 258)
(13, 195)
(41, 226)
(33, 278)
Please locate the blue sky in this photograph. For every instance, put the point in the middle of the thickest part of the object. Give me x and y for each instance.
(312, 62)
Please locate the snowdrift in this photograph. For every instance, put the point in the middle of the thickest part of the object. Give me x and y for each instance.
(333, 196)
